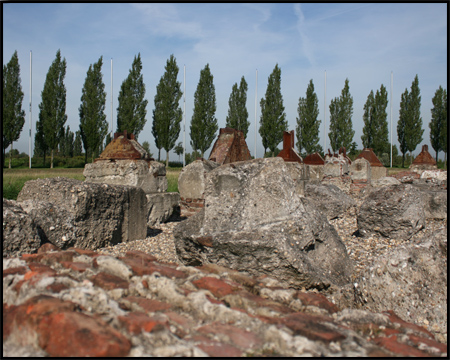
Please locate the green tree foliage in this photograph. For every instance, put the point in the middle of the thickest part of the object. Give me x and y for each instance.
(167, 114)
(93, 124)
(341, 109)
(375, 130)
(237, 117)
(409, 126)
(307, 129)
(438, 121)
(13, 117)
(66, 143)
(273, 118)
(146, 146)
(77, 144)
(204, 123)
(179, 149)
(132, 106)
(52, 109)
(40, 147)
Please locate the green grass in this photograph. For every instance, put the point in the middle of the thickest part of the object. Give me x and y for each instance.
(14, 179)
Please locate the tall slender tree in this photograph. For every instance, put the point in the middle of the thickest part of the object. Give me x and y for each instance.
(409, 126)
(93, 124)
(414, 120)
(401, 124)
(237, 117)
(13, 117)
(444, 133)
(167, 114)
(438, 119)
(77, 144)
(273, 118)
(375, 130)
(307, 122)
(52, 109)
(341, 110)
(204, 123)
(132, 105)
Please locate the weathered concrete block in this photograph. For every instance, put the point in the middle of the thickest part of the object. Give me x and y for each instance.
(191, 181)
(20, 232)
(161, 206)
(360, 169)
(150, 176)
(315, 173)
(300, 175)
(377, 172)
(102, 214)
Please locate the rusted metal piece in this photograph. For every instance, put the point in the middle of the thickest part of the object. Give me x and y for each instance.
(314, 159)
(424, 158)
(288, 153)
(124, 147)
(370, 156)
(230, 147)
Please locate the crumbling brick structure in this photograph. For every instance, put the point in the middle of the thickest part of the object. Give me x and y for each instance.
(230, 147)
(424, 161)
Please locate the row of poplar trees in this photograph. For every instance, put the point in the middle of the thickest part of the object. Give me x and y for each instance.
(52, 135)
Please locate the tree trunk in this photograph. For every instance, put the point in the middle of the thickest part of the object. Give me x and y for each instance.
(10, 155)
(51, 161)
(403, 160)
(159, 154)
(167, 158)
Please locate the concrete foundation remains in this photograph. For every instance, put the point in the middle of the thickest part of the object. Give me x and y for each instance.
(191, 185)
(336, 165)
(377, 169)
(314, 163)
(360, 173)
(230, 147)
(423, 161)
(125, 162)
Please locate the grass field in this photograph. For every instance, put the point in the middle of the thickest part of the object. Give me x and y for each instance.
(14, 179)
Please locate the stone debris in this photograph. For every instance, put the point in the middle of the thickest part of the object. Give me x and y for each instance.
(77, 303)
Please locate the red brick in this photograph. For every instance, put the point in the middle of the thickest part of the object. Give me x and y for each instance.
(140, 255)
(217, 287)
(75, 265)
(393, 317)
(149, 305)
(8, 316)
(311, 327)
(391, 344)
(31, 257)
(417, 340)
(57, 257)
(258, 301)
(48, 247)
(234, 335)
(318, 300)
(41, 268)
(84, 252)
(149, 268)
(19, 270)
(137, 322)
(109, 282)
(56, 287)
(79, 335)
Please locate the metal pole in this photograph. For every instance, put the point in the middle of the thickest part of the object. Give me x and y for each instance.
(29, 143)
(392, 80)
(325, 116)
(184, 114)
(111, 98)
(256, 102)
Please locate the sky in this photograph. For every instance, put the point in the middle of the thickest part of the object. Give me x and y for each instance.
(369, 43)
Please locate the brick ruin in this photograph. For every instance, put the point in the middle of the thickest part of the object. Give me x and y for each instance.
(424, 161)
(377, 168)
(230, 147)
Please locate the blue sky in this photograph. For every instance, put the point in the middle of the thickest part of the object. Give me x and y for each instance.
(362, 42)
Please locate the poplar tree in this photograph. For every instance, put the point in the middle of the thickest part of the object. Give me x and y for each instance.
(13, 117)
(307, 130)
(167, 114)
(414, 120)
(341, 110)
(52, 109)
(409, 126)
(375, 130)
(438, 121)
(237, 117)
(131, 111)
(204, 123)
(401, 124)
(77, 144)
(273, 118)
(93, 124)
